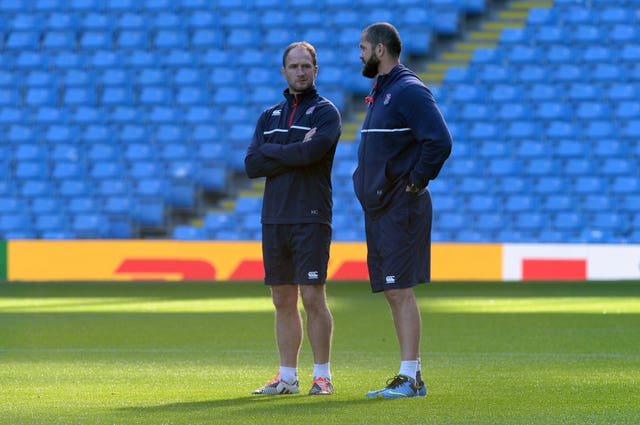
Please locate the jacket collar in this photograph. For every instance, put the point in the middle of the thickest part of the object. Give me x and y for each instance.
(310, 92)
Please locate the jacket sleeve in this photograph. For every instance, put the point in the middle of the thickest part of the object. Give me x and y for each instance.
(430, 130)
(256, 164)
(329, 128)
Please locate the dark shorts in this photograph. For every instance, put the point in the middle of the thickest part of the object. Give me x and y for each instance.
(399, 243)
(295, 253)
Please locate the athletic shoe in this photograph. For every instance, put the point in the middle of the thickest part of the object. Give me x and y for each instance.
(321, 386)
(422, 388)
(399, 386)
(278, 386)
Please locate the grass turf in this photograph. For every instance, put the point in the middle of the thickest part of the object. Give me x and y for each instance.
(191, 353)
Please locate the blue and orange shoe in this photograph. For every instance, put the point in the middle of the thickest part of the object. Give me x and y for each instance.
(400, 386)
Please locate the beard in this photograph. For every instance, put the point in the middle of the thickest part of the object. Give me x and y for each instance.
(370, 67)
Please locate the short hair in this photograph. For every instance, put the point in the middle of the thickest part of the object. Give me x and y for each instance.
(385, 33)
(304, 45)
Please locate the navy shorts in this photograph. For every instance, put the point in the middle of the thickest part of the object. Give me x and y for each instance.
(399, 243)
(295, 253)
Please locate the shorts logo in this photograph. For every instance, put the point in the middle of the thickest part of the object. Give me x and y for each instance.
(313, 275)
(390, 280)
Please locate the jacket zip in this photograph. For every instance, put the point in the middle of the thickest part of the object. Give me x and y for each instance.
(293, 112)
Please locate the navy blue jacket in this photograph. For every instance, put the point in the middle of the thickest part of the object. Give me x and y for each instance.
(404, 139)
(298, 184)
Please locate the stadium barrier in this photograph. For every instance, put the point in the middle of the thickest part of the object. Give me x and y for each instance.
(111, 260)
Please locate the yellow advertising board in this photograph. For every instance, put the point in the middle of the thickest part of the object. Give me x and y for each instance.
(106, 260)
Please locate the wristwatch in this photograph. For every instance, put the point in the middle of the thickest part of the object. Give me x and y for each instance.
(413, 188)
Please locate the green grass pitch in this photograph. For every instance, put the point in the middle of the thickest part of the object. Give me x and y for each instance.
(191, 353)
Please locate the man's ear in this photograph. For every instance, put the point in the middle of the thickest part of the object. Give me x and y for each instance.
(380, 49)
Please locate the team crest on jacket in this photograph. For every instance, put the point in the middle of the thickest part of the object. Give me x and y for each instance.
(310, 110)
(387, 98)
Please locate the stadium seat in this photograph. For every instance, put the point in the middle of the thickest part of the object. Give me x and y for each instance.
(90, 226)
(547, 184)
(185, 232)
(150, 214)
(610, 148)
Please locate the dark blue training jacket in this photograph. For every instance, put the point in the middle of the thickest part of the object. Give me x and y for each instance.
(404, 139)
(298, 186)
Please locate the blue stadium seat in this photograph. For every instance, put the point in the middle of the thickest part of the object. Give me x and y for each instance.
(31, 170)
(44, 205)
(74, 188)
(182, 194)
(569, 221)
(242, 38)
(12, 205)
(452, 222)
(513, 185)
(628, 109)
(630, 52)
(115, 186)
(150, 213)
(30, 152)
(571, 148)
(36, 188)
(569, 72)
(530, 220)
(541, 92)
(117, 205)
(22, 40)
(68, 170)
(631, 129)
(167, 39)
(624, 33)
(511, 36)
(185, 232)
(549, 184)
(562, 130)
(517, 203)
(144, 169)
(15, 226)
(82, 205)
(90, 226)
(559, 54)
(133, 39)
(618, 166)
(611, 221)
(199, 115)
(627, 185)
(600, 129)
(533, 74)
(216, 221)
(153, 188)
(522, 130)
(106, 170)
(247, 204)
(482, 203)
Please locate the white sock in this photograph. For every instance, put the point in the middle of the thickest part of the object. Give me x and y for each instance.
(288, 374)
(322, 370)
(408, 368)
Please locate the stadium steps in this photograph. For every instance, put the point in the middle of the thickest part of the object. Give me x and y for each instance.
(487, 35)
